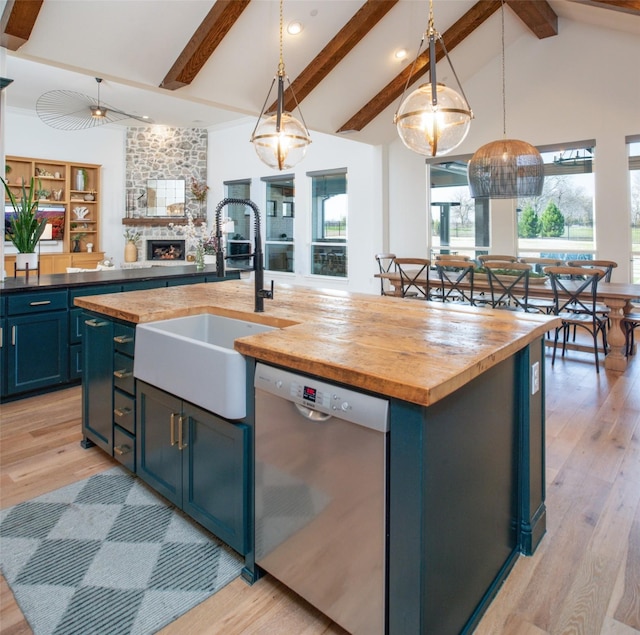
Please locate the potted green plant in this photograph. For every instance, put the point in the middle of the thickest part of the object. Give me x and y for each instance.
(25, 228)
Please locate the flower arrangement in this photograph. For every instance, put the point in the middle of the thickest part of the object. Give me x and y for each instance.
(131, 236)
(199, 190)
(210, 245)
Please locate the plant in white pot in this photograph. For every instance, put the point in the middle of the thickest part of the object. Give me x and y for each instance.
(25, 228)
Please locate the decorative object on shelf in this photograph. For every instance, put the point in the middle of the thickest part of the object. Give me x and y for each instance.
(57, 194)
(25, 227)
(89, 248)
(280, 141)
(199, 192)
(81, 179)
(7, 171)
(131, 247)
(80, 212)
(43, 195)
(433, 119)
(68, 110)
(90, 196)
(508, 168)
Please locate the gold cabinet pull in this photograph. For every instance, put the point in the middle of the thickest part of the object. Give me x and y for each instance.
(95, 323)
(122, 374)
(172, 429)
(121, 450)
(40, 303)
(181, 446)
(122, 339)
(13, 336)
(121, 412)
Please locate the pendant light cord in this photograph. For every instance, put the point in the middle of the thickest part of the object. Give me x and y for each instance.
(281, 62)
(504, 84)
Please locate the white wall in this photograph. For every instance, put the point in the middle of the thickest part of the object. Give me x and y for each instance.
(584, 84)
(232, 157)
(27, 136)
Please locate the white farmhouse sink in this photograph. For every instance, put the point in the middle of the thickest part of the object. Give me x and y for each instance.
(193, 358)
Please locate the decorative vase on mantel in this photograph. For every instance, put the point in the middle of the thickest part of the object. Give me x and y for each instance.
(130, 252)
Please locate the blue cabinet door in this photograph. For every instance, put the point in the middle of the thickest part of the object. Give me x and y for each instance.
(97, 381)
(215, 473)
(37, 351)
(158, 453)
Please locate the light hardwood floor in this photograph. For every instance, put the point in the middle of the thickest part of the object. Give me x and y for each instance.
(583, 579)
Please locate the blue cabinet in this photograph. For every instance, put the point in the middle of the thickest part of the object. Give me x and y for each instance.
(197, 460)
(36, 341)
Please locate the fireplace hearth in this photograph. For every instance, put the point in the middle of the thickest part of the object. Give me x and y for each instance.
(165, 249)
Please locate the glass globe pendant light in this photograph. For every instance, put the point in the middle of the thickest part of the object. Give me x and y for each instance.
(507, 168)
(433, 119)
(280, 140)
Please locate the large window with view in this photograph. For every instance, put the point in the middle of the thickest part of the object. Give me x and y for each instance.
(560, 222)
(329, 223)
(634, 205)
(239, 239)
(279, 223)
(459, 224)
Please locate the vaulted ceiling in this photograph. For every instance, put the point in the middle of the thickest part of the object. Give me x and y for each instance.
(201, 63)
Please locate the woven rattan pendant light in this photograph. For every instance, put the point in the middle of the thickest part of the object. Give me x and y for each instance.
(507, 168)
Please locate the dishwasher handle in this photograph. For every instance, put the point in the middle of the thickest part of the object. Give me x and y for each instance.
(312, 415)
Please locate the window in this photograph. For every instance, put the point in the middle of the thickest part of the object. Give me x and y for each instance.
(559, 223)
(239, 241)
(329, 216)
(634, 205)
(279, 223)
(459, 224)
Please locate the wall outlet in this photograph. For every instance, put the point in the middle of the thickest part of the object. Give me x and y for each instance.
(535, 377)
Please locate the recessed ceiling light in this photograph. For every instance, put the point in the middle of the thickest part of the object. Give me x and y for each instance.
(295, 28)
(400, 54)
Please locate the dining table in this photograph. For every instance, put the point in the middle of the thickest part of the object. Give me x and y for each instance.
(617, 296)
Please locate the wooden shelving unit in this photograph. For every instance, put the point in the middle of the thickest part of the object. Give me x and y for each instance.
(71, 203)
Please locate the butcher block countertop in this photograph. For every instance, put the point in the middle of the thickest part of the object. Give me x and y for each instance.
(412, 350)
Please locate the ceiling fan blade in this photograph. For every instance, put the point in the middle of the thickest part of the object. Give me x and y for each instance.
(68, 110)
(128, 115)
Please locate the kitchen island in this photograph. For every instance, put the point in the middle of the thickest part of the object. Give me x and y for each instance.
(465, 463)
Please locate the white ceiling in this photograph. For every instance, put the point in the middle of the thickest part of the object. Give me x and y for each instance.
(132, 44)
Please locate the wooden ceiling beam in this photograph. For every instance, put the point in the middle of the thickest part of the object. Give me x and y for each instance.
(473, 18)
(16, 24)
(203, 43)
(626, 6)
(539, 17)
(369, 14)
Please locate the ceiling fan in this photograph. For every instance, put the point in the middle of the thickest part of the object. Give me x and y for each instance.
(68, 110)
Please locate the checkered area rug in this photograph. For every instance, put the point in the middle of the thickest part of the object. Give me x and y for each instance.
(108, 556)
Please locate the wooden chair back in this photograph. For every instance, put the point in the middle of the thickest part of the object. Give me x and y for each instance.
(538, 264)
(575, 292)
(386, 264)
(451, 257)
(414, 276)
(456, 280)
(606, 265)
(496, 258)
(509, 291)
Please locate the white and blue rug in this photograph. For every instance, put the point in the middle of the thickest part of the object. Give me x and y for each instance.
(108, 556)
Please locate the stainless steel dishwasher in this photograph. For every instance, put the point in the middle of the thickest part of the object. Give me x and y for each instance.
(320, 480)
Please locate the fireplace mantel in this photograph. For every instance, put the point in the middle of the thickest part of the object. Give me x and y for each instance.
(164, 221)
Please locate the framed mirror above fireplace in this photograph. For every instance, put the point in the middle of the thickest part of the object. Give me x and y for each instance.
(166, 197)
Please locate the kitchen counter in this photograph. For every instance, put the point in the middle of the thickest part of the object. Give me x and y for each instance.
(415, 351)
(105, 276)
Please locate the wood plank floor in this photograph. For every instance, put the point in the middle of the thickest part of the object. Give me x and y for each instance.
(583, 579)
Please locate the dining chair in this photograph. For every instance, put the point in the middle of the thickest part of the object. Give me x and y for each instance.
(495, 258)
(631, 322)
(386, 264)
(451, 257)
(414, 277)
(456, 281)
(543, 304)
(607, 265)
(576, 304)
(509, 290)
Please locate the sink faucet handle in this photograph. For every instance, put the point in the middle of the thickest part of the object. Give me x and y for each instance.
(266, 293)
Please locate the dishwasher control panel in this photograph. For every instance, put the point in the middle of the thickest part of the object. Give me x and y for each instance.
(321, 396)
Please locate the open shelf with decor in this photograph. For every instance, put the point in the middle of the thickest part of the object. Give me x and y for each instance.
(69, 196)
